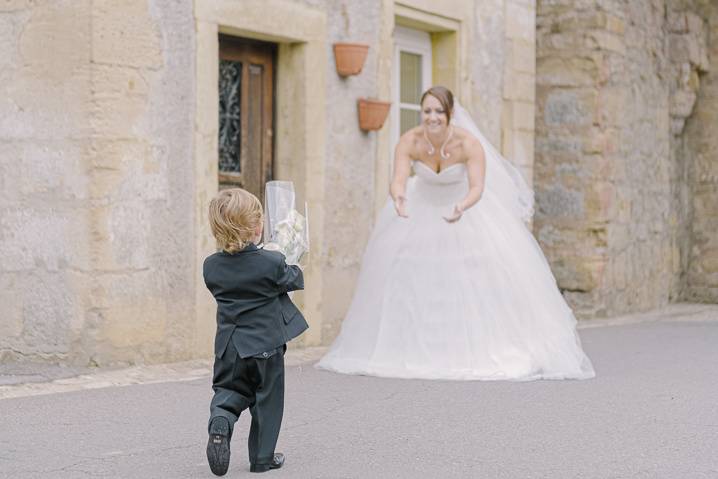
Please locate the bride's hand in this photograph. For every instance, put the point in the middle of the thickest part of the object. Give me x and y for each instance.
(455, 215)
(400, 206)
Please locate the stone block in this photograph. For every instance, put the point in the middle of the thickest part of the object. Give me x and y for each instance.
(42, 170)
(55, 41)
(16, 5)
(709, 263)
(206, 118)
(127, 170)
(677, 125)
(682, 102)
(619, 237)
(603, 40)
(127, 245)
(520, 86)
(595, 141)
(10, 28)
(120, 102)
(556, 201)
(696, 25)
(563, 72)
(11, 325)
(677, 22)
(522, 115)
(24, 238)
(522, 148)
(688, 48)
(600, 202)
(612, 106)
(615, 24)
(555, 142)
(705, 199)
(134, 322)
(49, 302)
(619, 273)
(45, 88)
(132, 38)
(570, 107)
(706, 171)
(522, 55)
(520, 22)
(579, 274)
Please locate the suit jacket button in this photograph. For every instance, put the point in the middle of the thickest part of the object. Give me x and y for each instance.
(265, 354)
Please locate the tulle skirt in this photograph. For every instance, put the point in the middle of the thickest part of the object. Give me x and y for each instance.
(471, 300)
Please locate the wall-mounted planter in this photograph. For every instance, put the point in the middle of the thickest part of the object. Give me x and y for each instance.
(372, 113)
(349, 57)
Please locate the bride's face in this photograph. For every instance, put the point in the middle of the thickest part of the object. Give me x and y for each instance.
(433, 116)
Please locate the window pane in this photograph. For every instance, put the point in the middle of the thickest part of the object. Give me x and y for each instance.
(230, 99)
(408, 120)
(410, 76)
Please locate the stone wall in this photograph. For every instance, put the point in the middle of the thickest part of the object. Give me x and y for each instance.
(350, 158)
(640, 232)
(518, 85)
(616, 82)
(45, 98)
(95, 134)
(579, 57)
(108, 135)
(700, 148)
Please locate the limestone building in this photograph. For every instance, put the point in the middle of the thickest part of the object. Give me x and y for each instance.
(626, 171)
(120, 120)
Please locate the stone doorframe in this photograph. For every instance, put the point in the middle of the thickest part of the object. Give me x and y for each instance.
(299, 149)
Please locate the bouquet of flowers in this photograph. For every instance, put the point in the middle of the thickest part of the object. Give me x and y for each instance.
(285, 229)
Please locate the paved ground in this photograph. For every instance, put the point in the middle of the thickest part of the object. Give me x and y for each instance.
(652, 412)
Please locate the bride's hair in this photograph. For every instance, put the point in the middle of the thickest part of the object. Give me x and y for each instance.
(445, 97)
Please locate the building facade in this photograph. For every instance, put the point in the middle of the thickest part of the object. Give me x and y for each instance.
(119, 123)
(626, 168)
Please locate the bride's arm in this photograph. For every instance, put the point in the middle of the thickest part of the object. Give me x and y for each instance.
(402, 169)
(476, 169)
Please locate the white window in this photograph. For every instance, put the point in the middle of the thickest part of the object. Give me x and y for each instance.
(412, 76)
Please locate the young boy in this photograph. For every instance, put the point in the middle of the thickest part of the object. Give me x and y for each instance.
(255, 320)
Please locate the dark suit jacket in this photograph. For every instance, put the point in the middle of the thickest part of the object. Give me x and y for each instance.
(253, 308)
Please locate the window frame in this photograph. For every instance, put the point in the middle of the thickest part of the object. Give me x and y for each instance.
(417, 42)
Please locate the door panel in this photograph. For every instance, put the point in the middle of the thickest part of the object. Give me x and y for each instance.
(246, 104)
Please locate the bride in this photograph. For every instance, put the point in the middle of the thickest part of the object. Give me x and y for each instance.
(453, 285)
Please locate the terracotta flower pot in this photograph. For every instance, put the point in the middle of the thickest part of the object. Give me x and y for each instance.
(372, 113)
(349, 57)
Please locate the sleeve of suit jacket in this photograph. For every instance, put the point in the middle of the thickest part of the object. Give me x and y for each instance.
(289, 278)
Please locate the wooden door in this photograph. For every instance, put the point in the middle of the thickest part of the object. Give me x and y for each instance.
(246, 113)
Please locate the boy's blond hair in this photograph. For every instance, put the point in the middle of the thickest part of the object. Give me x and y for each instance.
(234, 216)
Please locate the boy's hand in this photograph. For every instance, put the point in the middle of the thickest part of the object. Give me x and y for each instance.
(271, 246)
(289, 278)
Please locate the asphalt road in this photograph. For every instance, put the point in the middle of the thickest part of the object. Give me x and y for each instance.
(651, 412)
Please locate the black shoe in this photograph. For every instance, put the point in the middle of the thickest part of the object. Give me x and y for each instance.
(218, 446)
(277, 462)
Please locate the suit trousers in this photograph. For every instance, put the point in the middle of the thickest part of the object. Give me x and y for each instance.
(254, 383)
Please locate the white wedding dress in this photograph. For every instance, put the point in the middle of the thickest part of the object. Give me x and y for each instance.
(470, 300)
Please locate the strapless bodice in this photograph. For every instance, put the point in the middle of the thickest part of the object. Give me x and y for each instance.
(451, 174)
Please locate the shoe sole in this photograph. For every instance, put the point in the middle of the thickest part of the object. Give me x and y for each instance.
(264, 467)
(218, 454)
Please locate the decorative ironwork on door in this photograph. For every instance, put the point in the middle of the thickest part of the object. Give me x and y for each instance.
(246, 102)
